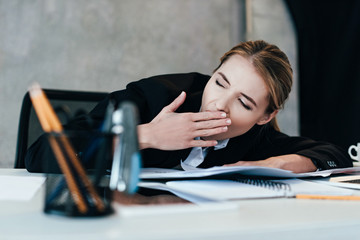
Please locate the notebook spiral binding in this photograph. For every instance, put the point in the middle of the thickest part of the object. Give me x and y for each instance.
(265, 183)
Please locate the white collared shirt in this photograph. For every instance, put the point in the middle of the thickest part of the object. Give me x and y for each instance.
(198, 154)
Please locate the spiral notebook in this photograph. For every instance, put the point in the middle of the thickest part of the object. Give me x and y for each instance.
(210, 190)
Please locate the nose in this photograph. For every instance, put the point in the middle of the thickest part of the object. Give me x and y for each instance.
(221, 104)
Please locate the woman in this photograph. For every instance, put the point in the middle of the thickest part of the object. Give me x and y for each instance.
(228, 119)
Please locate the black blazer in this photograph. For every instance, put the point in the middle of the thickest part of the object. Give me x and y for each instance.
(152, 94)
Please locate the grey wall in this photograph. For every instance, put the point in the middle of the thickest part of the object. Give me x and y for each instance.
(102, 45)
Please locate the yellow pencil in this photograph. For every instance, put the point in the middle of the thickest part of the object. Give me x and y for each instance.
(40, 109)
(327, 197)
(50, 123)
(73, 187)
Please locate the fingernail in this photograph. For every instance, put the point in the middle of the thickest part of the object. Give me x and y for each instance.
(225, 128)
(228, 121)
(223, 114)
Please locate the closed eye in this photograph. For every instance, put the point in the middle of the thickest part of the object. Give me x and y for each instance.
(219, 84)
(247, 107)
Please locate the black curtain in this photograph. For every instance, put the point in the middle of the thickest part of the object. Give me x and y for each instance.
(328, 34)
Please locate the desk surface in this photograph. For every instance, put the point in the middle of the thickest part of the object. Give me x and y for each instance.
(245, 219)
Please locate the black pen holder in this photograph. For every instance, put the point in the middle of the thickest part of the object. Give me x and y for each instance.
(77, 183)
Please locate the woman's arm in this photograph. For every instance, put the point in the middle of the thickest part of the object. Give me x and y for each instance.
(291, 162)
(297, 154)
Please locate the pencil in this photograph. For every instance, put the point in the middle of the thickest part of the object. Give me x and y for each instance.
(57, 127)
(82, 174)
(50, 123)
(39, 107)
(73, 187)
(327, 197)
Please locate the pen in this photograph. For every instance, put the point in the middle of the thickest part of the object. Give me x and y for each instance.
(327, 197)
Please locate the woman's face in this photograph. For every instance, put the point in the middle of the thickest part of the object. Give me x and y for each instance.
(238, 90)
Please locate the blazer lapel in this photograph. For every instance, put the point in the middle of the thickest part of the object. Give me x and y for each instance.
(236, 150)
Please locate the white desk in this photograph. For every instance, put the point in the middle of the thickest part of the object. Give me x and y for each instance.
(250, 219)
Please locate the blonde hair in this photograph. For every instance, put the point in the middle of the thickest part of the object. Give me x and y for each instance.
(273, 66)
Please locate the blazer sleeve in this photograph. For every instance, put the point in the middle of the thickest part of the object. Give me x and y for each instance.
(324, 155)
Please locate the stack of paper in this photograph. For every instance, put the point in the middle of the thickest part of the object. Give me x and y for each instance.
(161, 173)
(210, 190)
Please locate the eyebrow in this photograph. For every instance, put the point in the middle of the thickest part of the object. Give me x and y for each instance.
(250, 99)
(243, 94)
(224, 77)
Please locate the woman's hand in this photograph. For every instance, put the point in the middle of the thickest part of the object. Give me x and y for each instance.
(293, 162)
(173, 131)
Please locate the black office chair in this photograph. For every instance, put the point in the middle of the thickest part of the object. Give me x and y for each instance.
(66, 103)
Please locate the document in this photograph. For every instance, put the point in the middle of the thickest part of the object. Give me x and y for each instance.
(351, 181)
(219, 190)
(19, 188)
(191, 172)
